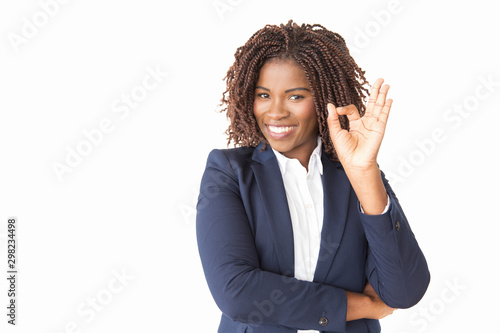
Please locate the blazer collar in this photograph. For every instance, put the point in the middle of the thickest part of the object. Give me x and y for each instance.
(336, 194)
(262, 156)
(272, 190)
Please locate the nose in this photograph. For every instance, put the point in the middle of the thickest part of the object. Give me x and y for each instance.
(278, 110)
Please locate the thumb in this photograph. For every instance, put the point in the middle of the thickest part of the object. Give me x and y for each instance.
(333, 120)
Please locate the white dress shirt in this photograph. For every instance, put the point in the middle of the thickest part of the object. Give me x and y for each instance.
(304, 193)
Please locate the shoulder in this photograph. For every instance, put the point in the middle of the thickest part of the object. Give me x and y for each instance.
(225, 167)
(230, 160)
(241, 154)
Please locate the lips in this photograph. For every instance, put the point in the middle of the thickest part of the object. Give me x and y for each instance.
(280, 132)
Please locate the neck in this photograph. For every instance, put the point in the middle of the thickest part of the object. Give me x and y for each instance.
(303, 154)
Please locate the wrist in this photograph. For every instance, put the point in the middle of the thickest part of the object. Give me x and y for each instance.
(369, 188)
(364, 171)
(371, 308)
(359, 306)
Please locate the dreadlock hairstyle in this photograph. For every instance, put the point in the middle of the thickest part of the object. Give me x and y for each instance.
(332, 73)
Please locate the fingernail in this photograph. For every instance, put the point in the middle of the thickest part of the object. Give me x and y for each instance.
(329, 107)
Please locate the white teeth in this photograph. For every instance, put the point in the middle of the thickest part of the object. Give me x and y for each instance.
(280, 129)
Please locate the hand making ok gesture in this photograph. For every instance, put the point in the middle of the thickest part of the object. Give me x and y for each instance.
(357, 148)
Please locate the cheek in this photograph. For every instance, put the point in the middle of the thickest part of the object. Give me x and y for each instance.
(258, 111)
(258, 117)
(309, 115)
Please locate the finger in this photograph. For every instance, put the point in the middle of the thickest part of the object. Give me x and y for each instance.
(384, 113)
(379, 104)
(351, 111)
(333, 120)
(373, 95)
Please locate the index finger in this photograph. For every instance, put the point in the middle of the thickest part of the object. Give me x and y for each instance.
(370, 106)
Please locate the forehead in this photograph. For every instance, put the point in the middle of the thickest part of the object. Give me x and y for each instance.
(282, 73)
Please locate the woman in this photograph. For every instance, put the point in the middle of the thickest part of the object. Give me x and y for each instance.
(298, 230)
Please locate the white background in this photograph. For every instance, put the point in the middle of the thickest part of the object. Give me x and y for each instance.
(128, 206)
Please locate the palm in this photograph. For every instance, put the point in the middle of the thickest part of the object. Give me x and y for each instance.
(358, 147)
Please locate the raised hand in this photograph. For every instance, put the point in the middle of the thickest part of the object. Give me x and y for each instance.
(357, 148)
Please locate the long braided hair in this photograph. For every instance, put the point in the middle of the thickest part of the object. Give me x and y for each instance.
(332, 73)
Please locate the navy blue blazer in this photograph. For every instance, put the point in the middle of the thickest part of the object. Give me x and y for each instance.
(245, 242)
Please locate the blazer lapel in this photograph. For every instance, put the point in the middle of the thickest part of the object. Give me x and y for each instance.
(336, 193)
(271, 187)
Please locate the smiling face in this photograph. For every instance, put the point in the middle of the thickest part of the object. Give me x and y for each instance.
(284, 109)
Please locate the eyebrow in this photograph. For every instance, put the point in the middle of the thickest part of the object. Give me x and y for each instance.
(286, 91)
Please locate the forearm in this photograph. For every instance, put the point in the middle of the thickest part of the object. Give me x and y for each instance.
(280, 299)
(369, 189)
(358, 306)
(396, 266)
(367, 305)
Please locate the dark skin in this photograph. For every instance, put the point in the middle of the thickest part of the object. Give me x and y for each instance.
(284, 102)
(285, 112)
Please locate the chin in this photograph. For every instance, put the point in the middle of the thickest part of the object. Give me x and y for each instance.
(281, 147)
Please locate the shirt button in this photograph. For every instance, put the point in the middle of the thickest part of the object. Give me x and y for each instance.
(309, 205)
(309, 176)
(323, 321)
(398, 226)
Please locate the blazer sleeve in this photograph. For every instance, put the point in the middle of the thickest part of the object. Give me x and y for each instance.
(396, 266)
(242, 290)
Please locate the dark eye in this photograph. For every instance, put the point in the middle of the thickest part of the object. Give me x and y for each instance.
(296, 97)
(263, 95)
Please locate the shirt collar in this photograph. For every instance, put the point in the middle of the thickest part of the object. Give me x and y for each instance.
(314, 160)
